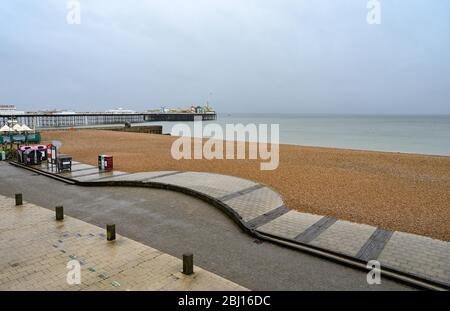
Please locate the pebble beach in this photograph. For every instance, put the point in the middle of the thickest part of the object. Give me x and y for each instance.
(395, 191)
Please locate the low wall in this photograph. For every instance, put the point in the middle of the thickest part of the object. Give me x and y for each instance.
(152, 129)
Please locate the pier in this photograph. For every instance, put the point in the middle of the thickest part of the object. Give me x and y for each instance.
(43, 120)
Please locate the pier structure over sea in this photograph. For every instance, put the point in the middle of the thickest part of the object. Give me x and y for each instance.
(49, 120)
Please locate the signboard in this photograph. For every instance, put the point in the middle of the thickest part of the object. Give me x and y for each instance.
(49, 154)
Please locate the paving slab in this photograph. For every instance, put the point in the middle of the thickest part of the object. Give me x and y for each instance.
(419, 255)
(267, 217)
(255, 203)
(81, 166)
(313, 232)
(374, 245)
(344, 237)
(290, 224)
(216, 185)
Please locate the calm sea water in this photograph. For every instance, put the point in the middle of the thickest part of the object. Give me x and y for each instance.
(412, 134)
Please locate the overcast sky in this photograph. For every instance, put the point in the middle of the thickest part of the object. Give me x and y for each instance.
(311, 56)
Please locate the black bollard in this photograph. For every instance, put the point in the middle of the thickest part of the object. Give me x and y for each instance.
(110, 232)
(188, 263)
(19, 199)
(59, 212)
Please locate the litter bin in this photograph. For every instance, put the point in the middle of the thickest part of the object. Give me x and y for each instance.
(50, 154)
(63, 163)
(2, 155)
(21, 152)
(42, 151)
(101, 163)
(31, 157)
(105, 162)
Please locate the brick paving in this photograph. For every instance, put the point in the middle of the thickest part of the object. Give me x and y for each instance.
(418, 254)
(290, 224)
(35, 249)
(408, 253)
(344, 237)
(207, 183)
(255, 203)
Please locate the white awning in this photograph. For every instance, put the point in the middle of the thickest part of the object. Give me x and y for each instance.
(26, 128)
(6, 129)
(17, 128)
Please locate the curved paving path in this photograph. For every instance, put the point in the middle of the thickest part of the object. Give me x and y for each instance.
(260, 210)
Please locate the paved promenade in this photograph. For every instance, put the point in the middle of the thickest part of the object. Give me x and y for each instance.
(35, 249)
(260, 209)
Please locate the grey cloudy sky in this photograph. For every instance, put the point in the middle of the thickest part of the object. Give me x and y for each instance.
(310, 56)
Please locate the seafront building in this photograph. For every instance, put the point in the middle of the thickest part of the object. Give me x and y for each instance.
(9, 110)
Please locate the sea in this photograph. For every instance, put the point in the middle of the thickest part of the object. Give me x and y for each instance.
(406, 134)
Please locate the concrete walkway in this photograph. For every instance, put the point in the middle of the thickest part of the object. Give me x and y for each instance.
(35, 249)
(260, 210)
